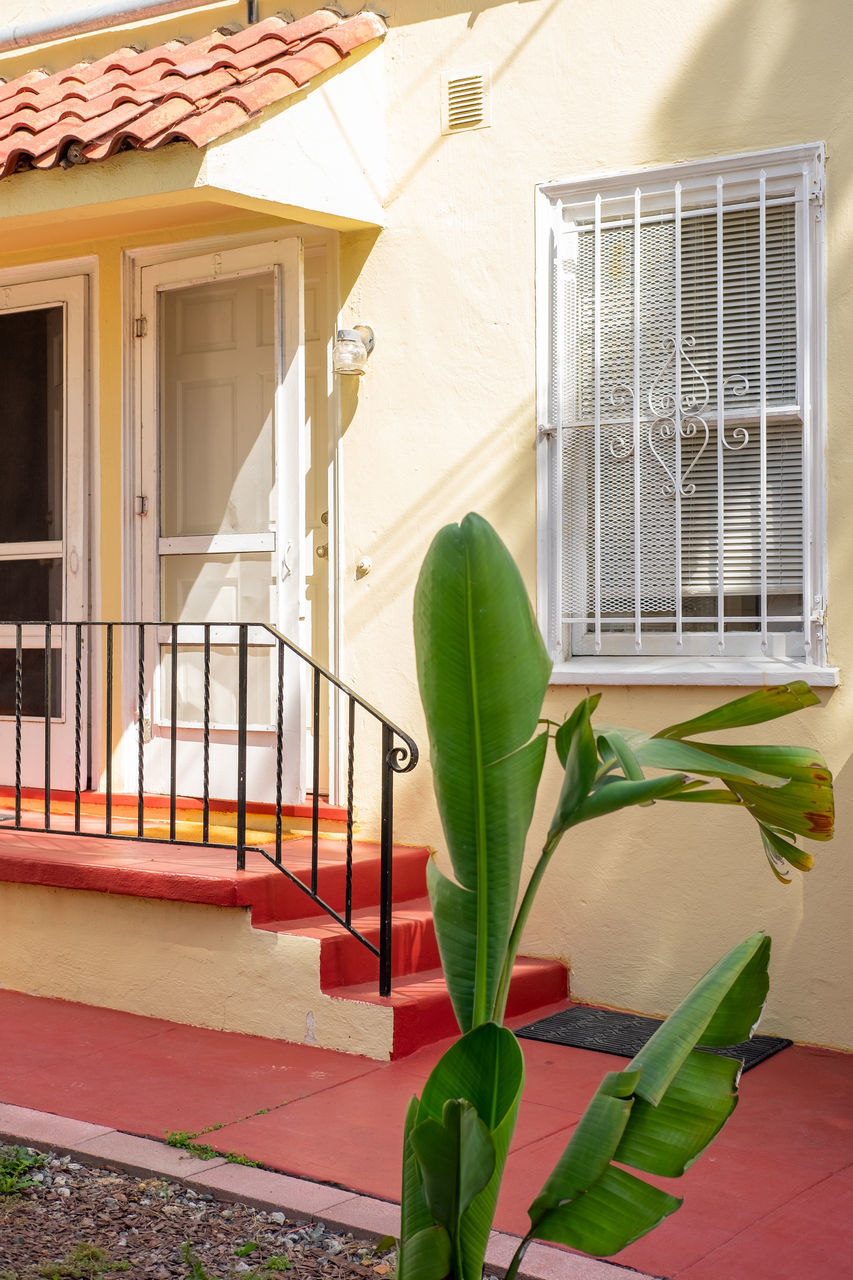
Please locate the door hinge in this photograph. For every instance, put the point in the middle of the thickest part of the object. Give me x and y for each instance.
(140, 326)
(141, 505)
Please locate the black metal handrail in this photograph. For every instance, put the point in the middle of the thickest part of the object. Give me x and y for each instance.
(399, 753)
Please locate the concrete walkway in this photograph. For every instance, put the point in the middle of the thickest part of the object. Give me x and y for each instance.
(771, 1200)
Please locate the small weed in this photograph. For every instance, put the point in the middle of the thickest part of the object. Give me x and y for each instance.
(277, 1263)
(16, 1164)
(251, 1246)
(196, 1268)
(187, 1142)
(84, 1262)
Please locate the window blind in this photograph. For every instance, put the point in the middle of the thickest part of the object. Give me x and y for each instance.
(678, 376)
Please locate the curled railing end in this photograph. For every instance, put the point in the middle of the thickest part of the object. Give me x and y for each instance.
(403, 759)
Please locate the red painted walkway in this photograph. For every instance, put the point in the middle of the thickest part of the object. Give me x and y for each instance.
(771, 1200)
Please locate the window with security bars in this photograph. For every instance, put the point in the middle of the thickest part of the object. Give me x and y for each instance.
(678, 416)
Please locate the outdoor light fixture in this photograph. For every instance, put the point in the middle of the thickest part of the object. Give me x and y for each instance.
(351, 349)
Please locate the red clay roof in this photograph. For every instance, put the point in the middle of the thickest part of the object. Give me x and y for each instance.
(177, 92)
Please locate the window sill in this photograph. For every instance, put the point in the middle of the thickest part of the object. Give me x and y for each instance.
(691, 671)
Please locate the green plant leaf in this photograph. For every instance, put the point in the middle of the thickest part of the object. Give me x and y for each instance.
(754, 708)
(593, 1142)
(657, 1115)
(799, 764)
(428, 1255)
(800, 808)
(779, 851)
(704, 795)
(486, 1068)
(565, 734)
(615, 1211)
(722, 1009)
(614, 748)
(483, 672)
(667, 1138)
(456, 1158)
(418, 1229)
(692, 757)
(471, 926)
(576, 749)
(612, 794)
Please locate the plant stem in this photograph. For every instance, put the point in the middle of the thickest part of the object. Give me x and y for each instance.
(517, 1257)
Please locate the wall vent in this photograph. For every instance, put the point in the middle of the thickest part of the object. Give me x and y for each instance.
(466, 100)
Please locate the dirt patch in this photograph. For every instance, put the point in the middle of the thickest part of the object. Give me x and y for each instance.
(79, 1221)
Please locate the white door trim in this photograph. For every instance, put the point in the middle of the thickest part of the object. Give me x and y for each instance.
(67, 284)
(147, 274)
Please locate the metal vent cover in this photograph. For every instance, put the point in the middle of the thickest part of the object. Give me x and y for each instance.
(466, 99)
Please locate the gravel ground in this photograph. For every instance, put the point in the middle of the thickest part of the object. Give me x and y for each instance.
(79, 1221)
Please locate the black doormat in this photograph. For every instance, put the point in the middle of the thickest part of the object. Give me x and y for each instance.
(607, 1031)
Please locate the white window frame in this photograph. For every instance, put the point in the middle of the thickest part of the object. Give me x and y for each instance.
(551, 197)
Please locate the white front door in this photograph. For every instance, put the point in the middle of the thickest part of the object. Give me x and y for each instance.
(221, 507)
(43, 559)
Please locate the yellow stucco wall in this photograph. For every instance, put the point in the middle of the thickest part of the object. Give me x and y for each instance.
(638, 905)
(182, 961)
(444, 422)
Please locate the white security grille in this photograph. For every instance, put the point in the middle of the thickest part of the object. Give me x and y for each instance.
(679, 404)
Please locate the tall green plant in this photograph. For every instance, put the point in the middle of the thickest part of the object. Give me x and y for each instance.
(483, 672)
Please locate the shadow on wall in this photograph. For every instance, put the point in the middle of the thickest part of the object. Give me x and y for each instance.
(766, 74)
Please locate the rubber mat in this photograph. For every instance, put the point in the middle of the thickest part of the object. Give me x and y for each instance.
(624, 1034)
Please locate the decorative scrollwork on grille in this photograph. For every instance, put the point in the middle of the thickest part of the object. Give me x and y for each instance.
(677, 417)
(622, 447)
(737, 385)
(668, 429)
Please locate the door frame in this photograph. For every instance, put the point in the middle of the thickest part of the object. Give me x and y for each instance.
(73, 283)
(258, 252)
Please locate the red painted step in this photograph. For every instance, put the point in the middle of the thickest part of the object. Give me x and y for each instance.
(193, 873)
(421, 1002)
(285, 906)
(344, 960)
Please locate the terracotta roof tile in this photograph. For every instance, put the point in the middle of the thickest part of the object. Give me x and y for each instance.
(193, 93)
(254, 97)
(250, 36)
(203, 127)
(357, 31)
(309, 62)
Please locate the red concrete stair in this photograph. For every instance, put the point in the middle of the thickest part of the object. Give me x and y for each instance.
(348, 971)
(423, 1012)
(345, 961)
(419, 997)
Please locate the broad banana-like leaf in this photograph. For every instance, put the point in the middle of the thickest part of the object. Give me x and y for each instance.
(613, 793)
(788, 790)
(798, 808)
(754, 708)
(657, 1115)
(693, 757)
(457, 1158)
(486, 1069)
(483, 672)
(424, 1252)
